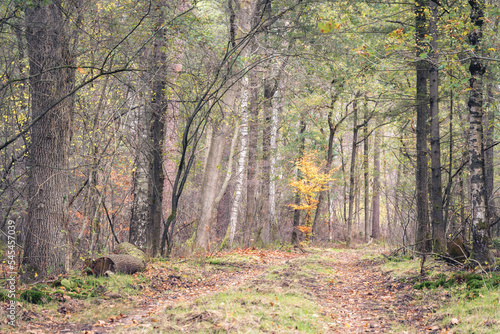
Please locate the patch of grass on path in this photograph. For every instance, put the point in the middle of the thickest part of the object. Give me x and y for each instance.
(277, 301)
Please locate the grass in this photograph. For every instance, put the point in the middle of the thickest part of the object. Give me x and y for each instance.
(79, 299)
(465, 302)
(247, 311)
(274, 302)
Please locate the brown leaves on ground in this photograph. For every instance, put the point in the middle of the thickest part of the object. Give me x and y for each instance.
(355, 295)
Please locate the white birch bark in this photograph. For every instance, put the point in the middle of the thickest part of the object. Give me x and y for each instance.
(233, 221)
(273, 146)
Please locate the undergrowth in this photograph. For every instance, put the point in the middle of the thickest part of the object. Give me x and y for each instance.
(467, 302)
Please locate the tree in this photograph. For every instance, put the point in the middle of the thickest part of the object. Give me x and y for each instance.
(311, 183)
(422, 111)
(479, 218)
(52, 78)
(438, 223)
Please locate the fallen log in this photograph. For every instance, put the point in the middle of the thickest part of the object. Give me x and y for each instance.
(117, 263)
(127, 259)
(129, 249)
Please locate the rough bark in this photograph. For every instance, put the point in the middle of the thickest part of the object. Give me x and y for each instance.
(158, 110)
(479, 214)
(264, 224)
(366, 178)
(422, 111)
(52, 78)
(141, 212)
(352, 190)
(438, 223)
(376, 192)
(117, 263)
(296, 213)
(489, 160)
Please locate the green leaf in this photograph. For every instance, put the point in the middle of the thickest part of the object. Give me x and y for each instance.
(423, 55)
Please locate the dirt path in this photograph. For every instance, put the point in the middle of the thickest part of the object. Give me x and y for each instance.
(362, 298)
(323, 291)
(354, 294)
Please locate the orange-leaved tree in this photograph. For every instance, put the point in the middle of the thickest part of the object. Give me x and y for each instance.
(312, 181)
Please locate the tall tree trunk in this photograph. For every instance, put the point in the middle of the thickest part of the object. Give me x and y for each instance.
(438, 224)
(489, 131)
(376, 192)
(141, 213)
(158, 110)
(479, 214)
(265, 226)
(52, 78)
(352, 190)
(272, 168)
(422, 110)
(242, 161)
(448, 192)
(252, 181)
(296, 213)
(366, 178)
(209, 187)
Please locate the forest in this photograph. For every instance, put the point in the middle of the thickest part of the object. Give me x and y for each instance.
(202, 127)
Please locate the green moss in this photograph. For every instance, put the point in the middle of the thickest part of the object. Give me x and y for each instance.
(35, 296)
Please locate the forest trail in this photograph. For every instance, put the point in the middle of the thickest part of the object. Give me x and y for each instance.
(264, 291)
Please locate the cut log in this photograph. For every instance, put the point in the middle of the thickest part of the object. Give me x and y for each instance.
(129, 249)
(118, 263)
(128, 259)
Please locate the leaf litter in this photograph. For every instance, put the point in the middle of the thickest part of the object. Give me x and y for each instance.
(347, 295)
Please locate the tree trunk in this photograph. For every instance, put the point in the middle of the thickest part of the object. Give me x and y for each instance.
(479, 214)
(489, 131)
(141, 212)
(352, 190)
(438, 224)
(158, 110)
(366, 178)
(422, 110)
(272, 168)
(209, 187)
(376, 191)
(52, 78)
(242, 161)
(252, 180)
(296, 213)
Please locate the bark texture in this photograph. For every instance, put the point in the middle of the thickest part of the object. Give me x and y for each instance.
(352, 190)
(479, 212)
(438, 223)
(422, 110)
(158, 107)
(51, 82)
(141, 213)
(376, 192)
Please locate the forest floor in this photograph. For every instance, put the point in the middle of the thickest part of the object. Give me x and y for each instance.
(251, 291)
